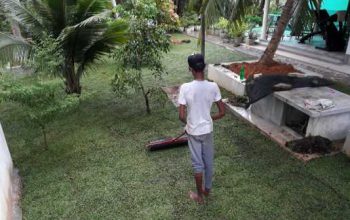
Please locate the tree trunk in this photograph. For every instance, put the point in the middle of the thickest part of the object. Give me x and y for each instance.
(203, 27)
(261, 7)
(180, 7)
(145, 96)
(267, 57)
(72, 80)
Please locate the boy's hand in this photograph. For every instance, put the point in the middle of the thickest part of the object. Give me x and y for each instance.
(221, 112)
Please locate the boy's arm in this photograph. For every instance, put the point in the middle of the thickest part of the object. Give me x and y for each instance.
(221, 112)
(182, 113)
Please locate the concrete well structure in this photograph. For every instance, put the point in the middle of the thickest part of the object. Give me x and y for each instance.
(332, 123)
(6, 180)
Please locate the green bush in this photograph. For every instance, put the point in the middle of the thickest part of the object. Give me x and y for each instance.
(47, 56)
(237, 29)
(223, 24)
(189, 19)
(42, 101)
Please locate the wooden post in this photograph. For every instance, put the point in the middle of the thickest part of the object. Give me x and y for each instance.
(203, 27)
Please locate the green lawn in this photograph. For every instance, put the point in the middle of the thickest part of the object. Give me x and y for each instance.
(97, 167)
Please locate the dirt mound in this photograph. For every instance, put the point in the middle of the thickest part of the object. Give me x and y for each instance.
(311, 145)
(240, 101)
(178, 42)
(257, 68)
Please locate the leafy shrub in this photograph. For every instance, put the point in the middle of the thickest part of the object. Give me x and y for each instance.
(43, 101)
(189, 19)
(223, 24)
(237, 29)
(47, 56)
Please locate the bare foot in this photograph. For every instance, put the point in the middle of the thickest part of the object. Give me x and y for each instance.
(195, 197)
(205, 191)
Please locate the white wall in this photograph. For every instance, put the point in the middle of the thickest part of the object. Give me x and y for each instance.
(6, 171)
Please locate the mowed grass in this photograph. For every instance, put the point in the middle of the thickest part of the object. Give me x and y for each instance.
(97, 166)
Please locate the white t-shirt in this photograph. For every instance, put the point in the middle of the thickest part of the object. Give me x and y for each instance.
(199, 96)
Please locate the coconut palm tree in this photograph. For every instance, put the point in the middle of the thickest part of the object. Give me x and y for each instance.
(299, 10)
(84, 30)
(267, 57)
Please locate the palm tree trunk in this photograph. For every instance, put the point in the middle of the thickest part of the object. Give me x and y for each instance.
(261, 7)
(267, 57)
(72, 80)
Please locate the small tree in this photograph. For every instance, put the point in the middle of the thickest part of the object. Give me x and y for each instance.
(144, 50)
(43, 101)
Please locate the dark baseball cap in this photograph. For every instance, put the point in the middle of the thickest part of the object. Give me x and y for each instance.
(196, 62)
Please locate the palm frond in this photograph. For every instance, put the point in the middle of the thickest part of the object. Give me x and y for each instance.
(240, 9)
(95, 18)
(90, 39)
(13, 49)
(75, 38)
(115, 34)
(213, 11)
(16, 11)
(87, 8)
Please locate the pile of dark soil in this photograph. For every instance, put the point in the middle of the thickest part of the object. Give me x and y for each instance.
(240, 101)
(311, 145)
(257, 68)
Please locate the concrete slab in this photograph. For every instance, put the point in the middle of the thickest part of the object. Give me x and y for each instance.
(297, 97)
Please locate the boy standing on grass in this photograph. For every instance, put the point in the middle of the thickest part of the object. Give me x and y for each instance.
(196, 99)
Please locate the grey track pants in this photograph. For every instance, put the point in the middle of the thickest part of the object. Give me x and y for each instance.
(202, 156)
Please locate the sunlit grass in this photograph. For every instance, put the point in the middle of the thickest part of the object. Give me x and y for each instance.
(97, 167)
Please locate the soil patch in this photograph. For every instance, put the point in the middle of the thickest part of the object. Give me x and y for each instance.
(239, 101)
(312, 145)
(257, 68)
(178, 42)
